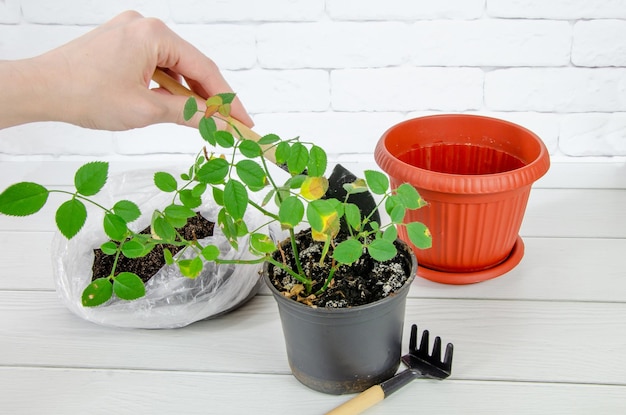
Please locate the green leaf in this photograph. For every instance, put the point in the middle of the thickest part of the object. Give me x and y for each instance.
(227, 97)
(382, 250)
(207, 128)
(224, 110)
(227, 224)
(163, 229)
(394, 206)
(218, 196)
(410, 197)
(128, 210)
(177, 215)
(283, 150)
(190, 268)
(210, 252)
(298, 158)
(133, 249)
(191, 107)
(168, 257)
(224, 139)
(70, 217)
(23, 199)
(188, 199)
(291, 212)
(97, 293)
(348, 251)
(251, 174)
(178, 211)
(419, 235)
(91, 177)
(109, 248)
(295, 182)
(390, 234)
(213, 171)
(165, 182)
(353, 216)
(198, 190)
(377, 181)
(317, 162)
(269, 139)
(250, 148)
(115, 227)
(268, 197)
(262, 243)
(128, 286)
(235, 199)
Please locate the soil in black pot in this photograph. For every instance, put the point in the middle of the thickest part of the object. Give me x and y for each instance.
(361, 283)
(145, 267)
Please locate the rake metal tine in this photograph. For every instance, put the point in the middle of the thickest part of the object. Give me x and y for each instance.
(437, 349)
(413, 339)
(424, 343)
(447, 360)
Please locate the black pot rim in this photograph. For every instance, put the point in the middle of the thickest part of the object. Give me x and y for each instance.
(344, 310)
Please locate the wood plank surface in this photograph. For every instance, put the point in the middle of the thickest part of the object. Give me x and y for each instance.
(54, 391)
(530, 341)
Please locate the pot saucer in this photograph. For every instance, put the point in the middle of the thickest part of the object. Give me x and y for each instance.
(459, 278)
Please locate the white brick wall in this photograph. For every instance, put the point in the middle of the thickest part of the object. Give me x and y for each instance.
(340, 72)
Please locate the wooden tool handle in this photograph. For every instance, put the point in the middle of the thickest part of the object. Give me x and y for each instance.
(174, 87)
(361, 402)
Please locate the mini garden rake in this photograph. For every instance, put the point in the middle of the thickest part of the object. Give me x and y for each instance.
(419, 364)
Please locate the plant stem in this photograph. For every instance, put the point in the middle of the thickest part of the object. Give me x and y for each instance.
(78, 196)
(328, 280)
(307, 282)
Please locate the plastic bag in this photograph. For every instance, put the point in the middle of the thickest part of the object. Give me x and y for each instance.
(171, 299)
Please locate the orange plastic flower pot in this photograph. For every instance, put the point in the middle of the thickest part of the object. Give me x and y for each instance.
(475, 173)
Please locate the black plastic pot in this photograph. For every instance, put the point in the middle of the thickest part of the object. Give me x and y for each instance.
(344, 350)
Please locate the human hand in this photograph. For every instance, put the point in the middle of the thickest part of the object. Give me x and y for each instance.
(101, 79)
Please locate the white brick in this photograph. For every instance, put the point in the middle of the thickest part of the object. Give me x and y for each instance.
(281, 91)
(201, 11)
(230, 46)
(599, 43)
(407, 89)
(80, 12)
(556, 89)
(335, 132)
(159, 139)
(557, 9)
(404, 9)
(331, 45)
(10, 11)
(598, 134)
(24, 41)
(493, 42)
(55, 139)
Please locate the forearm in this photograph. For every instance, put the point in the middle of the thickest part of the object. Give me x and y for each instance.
(27, 95)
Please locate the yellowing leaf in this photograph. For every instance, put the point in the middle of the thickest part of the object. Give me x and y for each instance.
(330, 227)
(314, 188)
(357, 186)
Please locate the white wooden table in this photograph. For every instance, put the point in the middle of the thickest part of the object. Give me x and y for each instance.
(548, 337)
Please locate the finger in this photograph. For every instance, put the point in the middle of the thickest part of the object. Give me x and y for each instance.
(200, 72)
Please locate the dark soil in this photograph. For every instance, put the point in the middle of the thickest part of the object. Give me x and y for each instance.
(361, 283)
(145, 267)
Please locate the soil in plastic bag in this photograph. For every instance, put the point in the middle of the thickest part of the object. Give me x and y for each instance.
(197, 227)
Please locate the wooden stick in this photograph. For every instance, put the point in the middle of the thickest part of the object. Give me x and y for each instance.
(175, 88)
